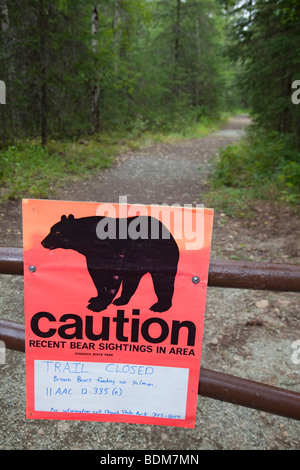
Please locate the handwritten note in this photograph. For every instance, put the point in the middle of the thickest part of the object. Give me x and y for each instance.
(110, 388)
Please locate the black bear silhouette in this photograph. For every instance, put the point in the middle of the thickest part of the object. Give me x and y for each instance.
(116, 259)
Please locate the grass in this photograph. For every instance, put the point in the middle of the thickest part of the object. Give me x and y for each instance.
(28, 169)
(264, 166)
(182, 130)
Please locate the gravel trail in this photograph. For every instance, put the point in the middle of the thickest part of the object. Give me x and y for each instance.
(234, 341)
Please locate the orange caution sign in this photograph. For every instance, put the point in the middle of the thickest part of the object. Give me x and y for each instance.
(114, 310)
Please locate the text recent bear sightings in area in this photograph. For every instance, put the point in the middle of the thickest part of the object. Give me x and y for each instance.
(120, 251)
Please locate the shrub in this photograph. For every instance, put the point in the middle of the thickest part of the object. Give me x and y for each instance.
(266, 164)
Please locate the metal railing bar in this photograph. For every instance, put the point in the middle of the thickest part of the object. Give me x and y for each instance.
(222, 273)
(212, 384)
(249, 394)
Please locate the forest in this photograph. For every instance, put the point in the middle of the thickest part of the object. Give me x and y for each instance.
(112, 72)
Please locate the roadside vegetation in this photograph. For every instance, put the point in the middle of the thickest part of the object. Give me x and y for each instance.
(30, 169)
(86, 82)
(262, 166)
(263, 38)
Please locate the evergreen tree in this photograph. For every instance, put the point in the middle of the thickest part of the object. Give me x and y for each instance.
(265, 39)
(51, 64)
(74, 67)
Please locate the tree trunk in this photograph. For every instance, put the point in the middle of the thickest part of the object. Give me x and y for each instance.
(4, 26)
(198, 59)
(43, 90)
(95, 87)
(4, 16)
(176, 47)
(114, 26)
(177, 30)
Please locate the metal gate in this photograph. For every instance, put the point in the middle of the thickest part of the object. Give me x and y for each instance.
(213, 384)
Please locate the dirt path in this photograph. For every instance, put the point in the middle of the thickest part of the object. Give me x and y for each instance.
(234, 341)
(162, 173)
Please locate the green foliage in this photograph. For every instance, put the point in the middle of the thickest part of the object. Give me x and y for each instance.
(32, 170)
(264, 40)
(158, 64)
(45, 60)
(264, 165)
(28, 169)
(181, 65)
(234, 202)
(188, 127)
